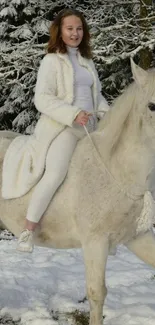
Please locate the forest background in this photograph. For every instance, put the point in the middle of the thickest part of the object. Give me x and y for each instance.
(120, 29)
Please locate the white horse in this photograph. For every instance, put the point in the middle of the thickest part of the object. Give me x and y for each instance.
(100, 203)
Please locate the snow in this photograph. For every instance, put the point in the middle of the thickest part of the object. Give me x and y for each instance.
(8, 11)
(45, 287)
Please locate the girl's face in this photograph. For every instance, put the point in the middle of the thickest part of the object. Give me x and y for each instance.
(72, 31)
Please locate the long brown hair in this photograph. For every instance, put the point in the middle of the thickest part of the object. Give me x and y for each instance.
(56, 43)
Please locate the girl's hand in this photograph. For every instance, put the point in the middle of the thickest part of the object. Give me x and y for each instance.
(82, 118)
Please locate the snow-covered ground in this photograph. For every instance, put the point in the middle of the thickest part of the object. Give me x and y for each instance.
(44, 287)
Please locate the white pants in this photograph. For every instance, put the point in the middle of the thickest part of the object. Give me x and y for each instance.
(57, 163)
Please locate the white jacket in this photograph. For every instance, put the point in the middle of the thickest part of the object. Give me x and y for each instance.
(54, 93)
(24, 161)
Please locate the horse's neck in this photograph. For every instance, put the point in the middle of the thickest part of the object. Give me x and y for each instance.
(132, 156)
(130, 159)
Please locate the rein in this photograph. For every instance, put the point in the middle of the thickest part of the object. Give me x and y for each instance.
(102, 166)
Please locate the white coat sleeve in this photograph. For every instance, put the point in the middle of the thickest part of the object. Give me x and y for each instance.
(103, 105)
(46, 100)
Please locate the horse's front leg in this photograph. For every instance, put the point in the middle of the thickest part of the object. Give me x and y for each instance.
(144, 247)
(95, 252)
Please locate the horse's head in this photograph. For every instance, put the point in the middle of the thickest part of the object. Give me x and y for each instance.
(145, 99)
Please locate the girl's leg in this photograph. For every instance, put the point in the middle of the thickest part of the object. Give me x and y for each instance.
(57, 163)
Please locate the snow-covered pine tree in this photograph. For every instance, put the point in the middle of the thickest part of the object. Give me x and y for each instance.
(24, 24)
(146, 19)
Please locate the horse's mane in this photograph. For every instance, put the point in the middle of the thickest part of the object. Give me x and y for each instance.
(114, 121)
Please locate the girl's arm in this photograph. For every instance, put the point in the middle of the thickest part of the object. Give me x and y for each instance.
(103, 105)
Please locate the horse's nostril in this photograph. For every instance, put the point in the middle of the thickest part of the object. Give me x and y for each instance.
(151, 106)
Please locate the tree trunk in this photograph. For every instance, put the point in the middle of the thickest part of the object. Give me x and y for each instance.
(145, 54)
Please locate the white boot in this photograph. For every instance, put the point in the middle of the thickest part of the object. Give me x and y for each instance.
(25, 241)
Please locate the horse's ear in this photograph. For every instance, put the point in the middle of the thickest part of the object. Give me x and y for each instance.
(138, 73)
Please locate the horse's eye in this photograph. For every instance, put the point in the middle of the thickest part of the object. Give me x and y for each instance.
(151, 106)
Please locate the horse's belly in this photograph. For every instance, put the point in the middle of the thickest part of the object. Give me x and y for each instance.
(58, 228)
(56, 240)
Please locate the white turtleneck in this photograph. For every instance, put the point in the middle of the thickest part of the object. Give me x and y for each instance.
(83, 81)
